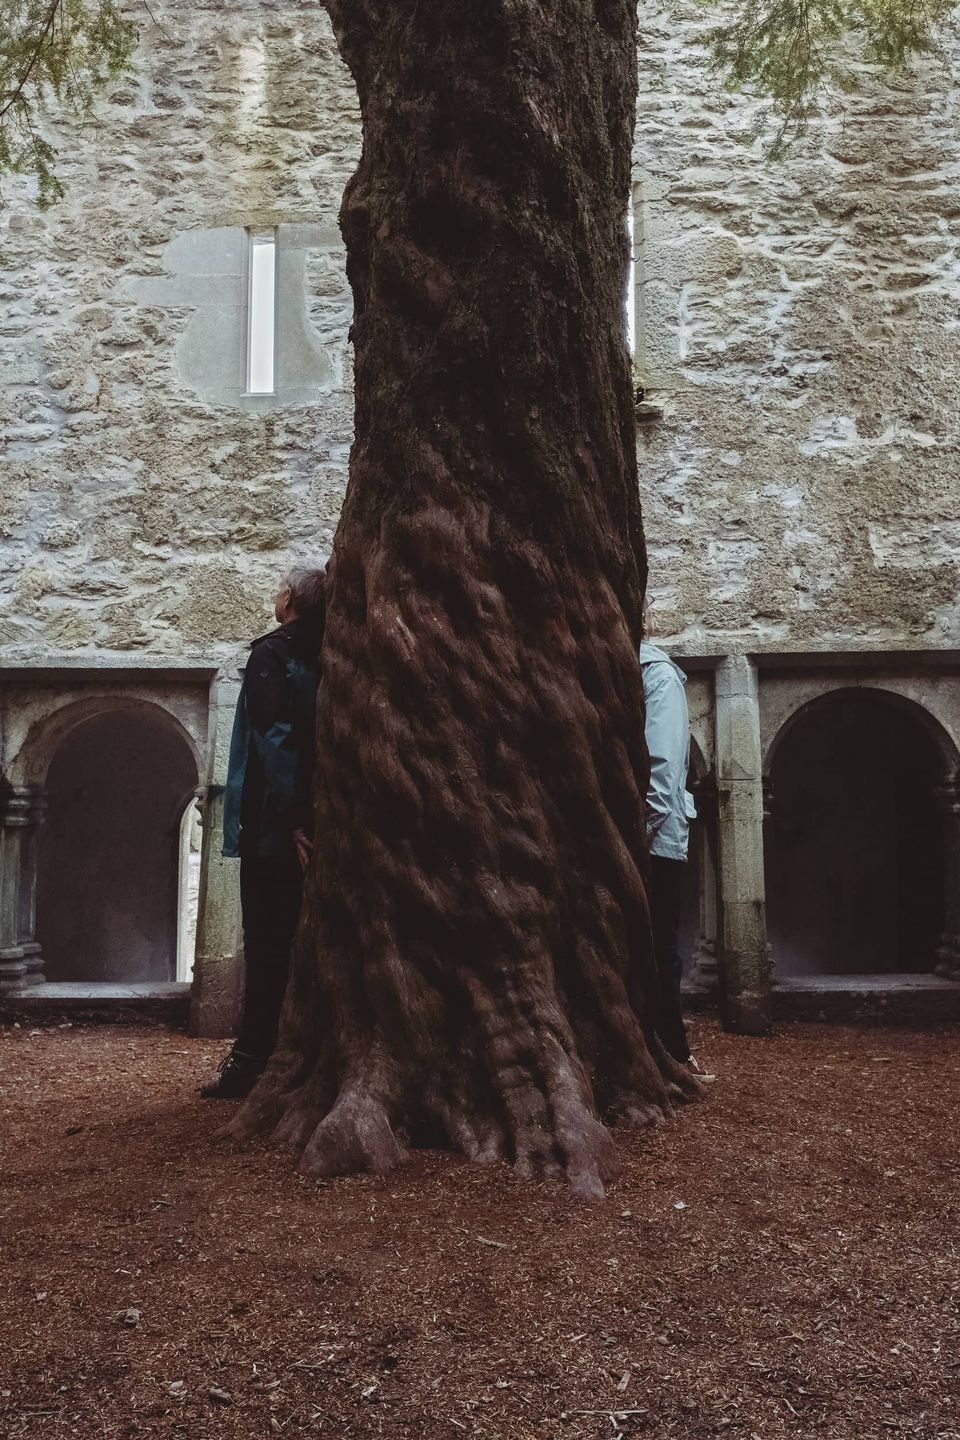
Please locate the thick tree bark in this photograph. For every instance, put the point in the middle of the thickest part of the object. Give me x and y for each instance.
(475, 965)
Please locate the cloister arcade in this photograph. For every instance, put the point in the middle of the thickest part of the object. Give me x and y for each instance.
(826, 849)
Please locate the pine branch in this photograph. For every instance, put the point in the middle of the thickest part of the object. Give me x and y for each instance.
(9, 101)
(55, 57)
(789, 51)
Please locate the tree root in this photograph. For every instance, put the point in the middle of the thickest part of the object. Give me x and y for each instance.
(550, 1133)
(355, 1136)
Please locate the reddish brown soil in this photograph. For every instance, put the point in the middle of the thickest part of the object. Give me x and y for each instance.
(158, 1283)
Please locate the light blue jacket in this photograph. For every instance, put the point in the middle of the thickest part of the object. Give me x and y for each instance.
(669, 806)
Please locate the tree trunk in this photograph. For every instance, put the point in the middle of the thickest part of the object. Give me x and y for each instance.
(475, 965)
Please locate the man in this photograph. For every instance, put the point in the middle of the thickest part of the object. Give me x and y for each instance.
(669, 812)
(267, 818)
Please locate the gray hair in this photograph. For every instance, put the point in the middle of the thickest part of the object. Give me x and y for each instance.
(307, 587)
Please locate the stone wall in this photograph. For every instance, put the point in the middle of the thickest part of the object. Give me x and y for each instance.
(799, 322)
(146, 504)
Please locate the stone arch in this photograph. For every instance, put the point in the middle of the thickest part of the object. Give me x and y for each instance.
(45, 736)
(860, 878)
(119, 772)
(883, 694)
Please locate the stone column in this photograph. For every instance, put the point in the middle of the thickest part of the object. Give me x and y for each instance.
(705, 971)
(744, 956)
(947, 797)
(19, 952)
(187, 916)
(217, 981)
(29, 878)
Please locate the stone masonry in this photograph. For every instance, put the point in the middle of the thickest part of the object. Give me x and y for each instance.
(799, 321)
(145, 505)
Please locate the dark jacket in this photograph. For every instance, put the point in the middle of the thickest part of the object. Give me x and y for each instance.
(269, 781)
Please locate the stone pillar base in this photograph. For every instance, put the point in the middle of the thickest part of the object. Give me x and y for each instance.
(15, 969)
(948, 958)
(33, 958)
(704, 974)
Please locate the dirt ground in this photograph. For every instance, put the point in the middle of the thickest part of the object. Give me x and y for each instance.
(780, 1261)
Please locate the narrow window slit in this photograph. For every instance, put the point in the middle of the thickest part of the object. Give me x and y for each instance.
(631, 299)
(261, 313)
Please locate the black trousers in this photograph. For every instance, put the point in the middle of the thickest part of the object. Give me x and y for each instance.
(270, 896)
(666, 894)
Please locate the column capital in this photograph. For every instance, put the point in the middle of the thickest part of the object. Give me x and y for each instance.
(767, 797)
(737, 721)
(17, 806)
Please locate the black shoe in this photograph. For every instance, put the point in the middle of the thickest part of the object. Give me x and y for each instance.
(235, 1079)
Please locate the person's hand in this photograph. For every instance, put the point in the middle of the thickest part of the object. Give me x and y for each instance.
(304, 847)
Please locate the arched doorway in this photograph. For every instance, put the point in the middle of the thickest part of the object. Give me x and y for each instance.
(110, 858)
(855, 858)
